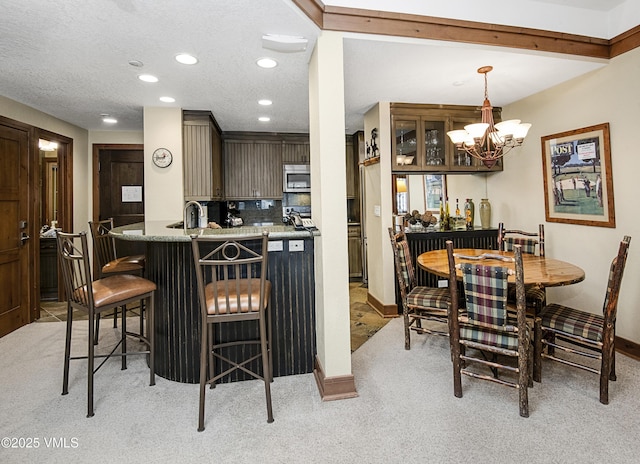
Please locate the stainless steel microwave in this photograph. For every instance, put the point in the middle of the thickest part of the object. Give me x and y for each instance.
(296, 178)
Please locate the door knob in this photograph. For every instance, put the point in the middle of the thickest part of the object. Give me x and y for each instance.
(23, 238)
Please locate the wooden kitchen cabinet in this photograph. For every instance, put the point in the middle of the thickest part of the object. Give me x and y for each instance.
(420, 142)
(253, 169)
(353, 176)
(354, 247)
(296, 152)
(202, 155)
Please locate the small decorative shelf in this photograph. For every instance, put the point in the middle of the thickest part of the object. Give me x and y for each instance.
(370, 161)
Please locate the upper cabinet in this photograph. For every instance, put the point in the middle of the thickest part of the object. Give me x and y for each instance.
(420, 141)
(296, 151)
(202, 154)
(253, 169)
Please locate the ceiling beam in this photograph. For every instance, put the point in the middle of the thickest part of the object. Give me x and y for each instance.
(453, 30)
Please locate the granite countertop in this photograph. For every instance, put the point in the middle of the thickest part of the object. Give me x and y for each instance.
(157, 231)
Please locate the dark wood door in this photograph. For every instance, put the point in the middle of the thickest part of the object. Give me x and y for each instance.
(122, 191)
(14, 252)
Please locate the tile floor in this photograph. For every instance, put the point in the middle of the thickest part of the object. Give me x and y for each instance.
(365, 321)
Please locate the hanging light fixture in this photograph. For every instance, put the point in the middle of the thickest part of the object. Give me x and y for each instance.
(485, 140)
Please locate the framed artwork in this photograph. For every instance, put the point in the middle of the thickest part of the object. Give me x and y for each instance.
(578, 185)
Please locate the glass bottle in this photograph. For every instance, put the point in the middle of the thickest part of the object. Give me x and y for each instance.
(469, 208)
(442, 218)
(447, 216)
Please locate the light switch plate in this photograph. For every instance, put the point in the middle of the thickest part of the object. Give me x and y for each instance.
(376, 210)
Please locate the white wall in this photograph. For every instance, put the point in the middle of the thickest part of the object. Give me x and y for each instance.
(328, 193)
(381, 283)
(611, 95)
(164, 192)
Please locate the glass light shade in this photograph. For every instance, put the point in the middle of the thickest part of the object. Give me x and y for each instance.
(458, 136)
(477, 130)
(522, 130)
(508, 127)
(497, 137)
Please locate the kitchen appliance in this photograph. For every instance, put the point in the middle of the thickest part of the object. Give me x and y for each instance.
(296, 178)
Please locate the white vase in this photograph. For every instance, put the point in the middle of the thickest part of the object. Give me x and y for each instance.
(485, 213)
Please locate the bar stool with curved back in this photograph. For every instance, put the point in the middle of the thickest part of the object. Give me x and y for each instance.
(536, 297)
(588, 335)
(104, 248)
(487, 326)
(232, 286)
(95, 297)
(419, 304)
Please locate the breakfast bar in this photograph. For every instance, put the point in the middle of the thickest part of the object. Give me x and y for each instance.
(169, 263)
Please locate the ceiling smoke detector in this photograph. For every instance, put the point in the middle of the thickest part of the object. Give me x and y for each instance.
(284, 43)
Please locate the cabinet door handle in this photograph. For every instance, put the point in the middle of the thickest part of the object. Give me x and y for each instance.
(23, 238)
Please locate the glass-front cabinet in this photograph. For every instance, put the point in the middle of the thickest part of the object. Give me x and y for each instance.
(420, 141)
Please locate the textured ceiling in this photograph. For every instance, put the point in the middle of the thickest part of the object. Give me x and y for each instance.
(70, 59)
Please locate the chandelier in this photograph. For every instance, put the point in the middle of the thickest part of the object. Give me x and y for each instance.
(485, 140)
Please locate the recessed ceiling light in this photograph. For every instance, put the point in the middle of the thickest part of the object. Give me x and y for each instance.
(109, 120)
(267, 63)
(147, 78)
(264, 119)
(167, 99)
(136, 63)
(265, 102)
(185, 58)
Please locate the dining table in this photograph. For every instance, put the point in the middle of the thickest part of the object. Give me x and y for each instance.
(540, 271)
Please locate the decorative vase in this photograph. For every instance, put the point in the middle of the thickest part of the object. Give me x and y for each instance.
(485, 213)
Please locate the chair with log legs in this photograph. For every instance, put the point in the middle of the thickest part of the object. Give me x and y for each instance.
(487, 328)
(583, 333)
(536, 297)
(420, 305)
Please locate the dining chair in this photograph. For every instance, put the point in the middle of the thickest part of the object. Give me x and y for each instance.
(588, 335)
(487, 327)
(95, 297)
(108, 263)
(231, 274)
(532, 243)
(419, 304)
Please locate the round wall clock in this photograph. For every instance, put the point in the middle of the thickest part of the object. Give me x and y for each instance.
(162, 157)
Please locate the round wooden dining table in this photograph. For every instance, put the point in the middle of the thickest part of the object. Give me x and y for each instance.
(538, 270)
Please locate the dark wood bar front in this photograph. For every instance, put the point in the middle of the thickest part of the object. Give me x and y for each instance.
(178, 322)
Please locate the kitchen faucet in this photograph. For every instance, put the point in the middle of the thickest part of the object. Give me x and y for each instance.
(184, 214)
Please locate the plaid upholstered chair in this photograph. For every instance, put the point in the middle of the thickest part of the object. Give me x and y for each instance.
(487, 327)
(589, 335)
(419, 304)
(536, 297)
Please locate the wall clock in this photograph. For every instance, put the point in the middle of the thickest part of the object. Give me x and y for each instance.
(162, 157)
